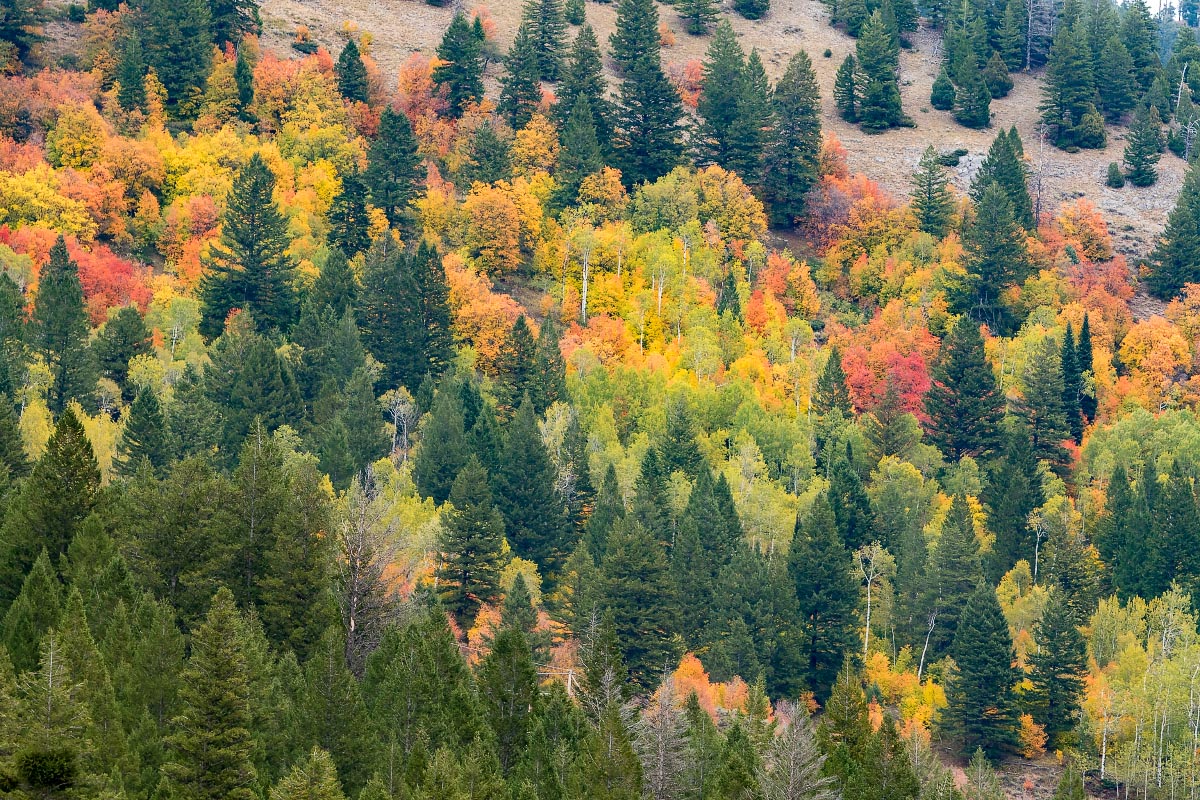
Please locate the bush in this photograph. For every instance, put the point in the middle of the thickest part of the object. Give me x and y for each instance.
(952, 158)
(1116, 178)
(828, 53)
(942, 97)
(752, 9)
(306, 47)
(52, 769)
(76, 12)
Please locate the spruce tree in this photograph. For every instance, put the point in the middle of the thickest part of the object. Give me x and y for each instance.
(1059, 669)
(336, 287)
(1042, 406)
(548, 30)
(963, 403)
(995, 261)
(574, 12)
(1144, 144)
(699, 15)
(472, 545)
(1115, 80)
(392, 166)
(243, 77)
(848, 499)
(877, 52)
(580, 154)
(1176, 258)
(826, 595)
(488, 157)
(932, 201)
(313, 777)
(12, 449)
(548, 379)
(972, 100)
(131, 73)
(143, 439)
(351, 73)
(942, 96)
(508, 684)
(443, 451)
(210, 746)
(233, 19)
(583, 74)
(750, 131)
(1069, 89)
(1003, 166)
(123, 338)
(847, 89)
(1085, 356)
(1070, 785)
(521, 89)
(60, 330)
(723, 67)
(250, 267)
(460, 69)
(980, 711)
(957, 571)
(349, 223)
(1072, 385)
(792, 156)
(995, 75)
(32, 614)
(176, 38)
(1139, 32)
(1012, 495)
(752, 9)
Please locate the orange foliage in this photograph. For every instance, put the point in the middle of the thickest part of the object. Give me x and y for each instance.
(482, 318)
(791, 283)
(895, 344)
(1081, 224)
(422, 101)
(688, 78)
(833, 158)
(1032, 737)
(604, 337)
(832, 201)
(714, 698)
(485, 20)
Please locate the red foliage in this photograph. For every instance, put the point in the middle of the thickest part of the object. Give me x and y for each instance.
(19, 158)
(895, 345)
(34, 100)
(688, 78)
(831, 202)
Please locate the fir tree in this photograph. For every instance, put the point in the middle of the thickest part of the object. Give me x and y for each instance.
(336, 287)
(1059, 669)
(211, 746)
(723, 68)
(980, 710)
(580, 155)
(1069, 89)
(995, 260)
(521, 89)
(488, 157)
(443, 451)
(848, 499)
(177, 42)
(636, 36)
(32, 614)
(472, 544)
(831, 392)
(548, 29)
(1012, 495)
(508, 683)
(1003, 166)
(1176, 258)
(461, 66)
(1085, 356)
(143, 439)
(878, 58)
(131, 73)
(699, 15)
(60, 330)
(972, 100)
(943, 94)
(847, 89)
(827, 596)
(1042, 407)
(1144, 144)
(548, 378)
(243, 77)
(574, 12)
(750, 131)
(250, 380)
(1115, 81)
(794, 150)
(12, 449)
(752, 9)
(995, 75)
(392, 166)
(1070, 785)
(957, 572)
(349, 223)
(250, 267)
(891, 430)
(233, 19)
(123, 338)
(351, 74)
(932, 201)
(1072, 385)
(314, 777)
(963, 403)
(1139, 32)
(583, 74)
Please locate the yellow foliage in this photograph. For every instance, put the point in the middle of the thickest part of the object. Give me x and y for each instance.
(535, 147)
(492, 229)
(1032, 737)
(36, 427)
(32, 200)
(77, 138)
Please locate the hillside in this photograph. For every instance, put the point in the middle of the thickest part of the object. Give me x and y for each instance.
(1136, 216)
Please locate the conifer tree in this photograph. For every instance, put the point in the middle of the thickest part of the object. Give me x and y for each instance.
(1072, 385)
(1003, 166)
(508, 683)
(607, 767)
(177, 41)
(574, 12)
(1085, 355)
(1070, 785)
(877, 51)
(972, 100)
(233, 19)
(963, 403)
(995, 75)
(831, 392)
(980, 710)
(548, 29)
(932, 201)
(250, 380)
(443, 451)
(12, 449)
(143, 439)
(33, 613)
(794, 150)
(1139, 32)
(392, 166)
(1115, 80)
(1069, 89)
(995, 260)
(848, 499)
(488, 157)
(1059, 669)
(351, 73)
(1144, 144)
(334, 716)
(521, 89)
(845, 732)
(123, 338)
(461, 66)
(723, 67)
(313, 777)
(472, 545)
(131, 73)
(1012, 495)
(580, 154)
(349, 224)
(827, 596)
(699, 15)
(750, 131)
(250, 267)
(583, 74)
(210, 746)
(752, 9)
(1042, 407)
(548, 378)
(60, 330)
(891, 430)
(1176, 258)
(943, 94)
(336, 287)
(956, 573)
(243, 77)
(847, 89)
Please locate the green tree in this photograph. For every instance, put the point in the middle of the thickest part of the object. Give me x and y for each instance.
(488, 157)
(443, 451)
(1176, 258)
(392, 166)
(243, 76)
(1072, 385)
(33, 613)
(1139, 32)
(1059, 669)
(848, 499)
(1115, 80)
(963, 403)
(1143, 148)
(143, 439)
(472, 545)
(752, 9)
(583, 74)
(12, 449)
(177, 42)
(521, 88)
(972, 100)
(995, 260)
(943, 94)
(547, 27)
(750, 131)
(980, 708)
(232, 19)
(580, 154)
(548, 378)
(349, 223)
(210, 745)
(336, 287)
(1069, 89)
(508, 683)
(847, 89)
(351, 74)
(19, 26)
(123, 338)
(1070, 785)
(461, 66)
(314, 777)
(1042, 406)
(877, 51)
(1086, 357)
(334, 715)
(793, 153)
(574, 12)
(60, 330)
(932, 201)
(1012, 494)
(995, 75)
(250, 380)
(250, 267)
(516, 365)
(956, 573)
(723, 67)
(131, 73)
(699, 15)
(1003, 166)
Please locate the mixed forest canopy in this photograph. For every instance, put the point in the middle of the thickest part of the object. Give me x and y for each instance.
(549, 423)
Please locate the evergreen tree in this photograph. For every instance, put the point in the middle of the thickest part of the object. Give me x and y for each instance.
(574, 12)
(699, 15)
(1139, 32)
(793, 765)
(1059, 669)
(847, 89)
(995, 260)
(1070, 785)
(351, 74)
(210, 745)
(336, 287)
(851, 507)
(1115, 80)
(957, 572)
(995, 75)
(177, 41)
(750, 131)
(1070, 89)
(607, 767)
(12, 449)
(891, 430)
(32, 614)
(1012, 495)
(143, 439)
(521, 89)
(19, 27)
(123, 338)
(963, 402)
(461, 66)
(548, 378)
(232, 19)
(635, 587)
(972, 100)
(250, 267)
(1042, 407)
(723, 68)
(580, 154)
(392, 166)
(488, 158)
(1144, 144)
(827, 596)
(60, 330)
(472, 545)
(878, 57)
(1085, 356)
(314, 777)
(932, 201)
(752, 9)
(1072, 385)
(794, 150)
(583, 74)
(1003, 166)
(832, 394)
(980, 710)
(250, 380)
(508, 683)
(131, 73)
(243, 77)
(548, 30)
(443, 452)
(1176, 258)
(349, 223)
(943, 94)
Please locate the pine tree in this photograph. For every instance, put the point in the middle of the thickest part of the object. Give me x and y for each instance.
(980, 710)
(1085, 355)
(995, 260)
(521, 89)
(1012, 495)
(1072, 385)
(177, 43)
(33, 613)
(972, 100)
(508, 684)
(443, 451)
(143, 439)
(827, 596)
(831, 392)
(60, 330)
(607, 767)
(956, 573)
(1069, 88)
(547, 29)
(1003, 166)
(995, 75)
(250, 267)
(793, 765)
(636, 588)
(1042, 407)
(392, 166)
(751, 128)
(461, 66)
(123, 338)
(877, 51)
(583, 74)
(336, 287)
(794, 150)
(211, 746)
(699, 15)
(574, 12)
(1144, 144)
(1176, 258)
(548, 378)
(636, 36)
(847, 89)
(1115, 81)
(932, 201)
(963, 403)
(472, 545)
(580, 155)
(131, 73)
(1059, 669)
(351, 74)
(314, 777)
(349, 223)
(250, 380)
(942, 96)
(723, 67)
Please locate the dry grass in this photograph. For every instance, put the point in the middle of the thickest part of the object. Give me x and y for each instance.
(401, 27)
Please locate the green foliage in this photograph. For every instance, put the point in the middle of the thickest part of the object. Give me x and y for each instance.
(392, 166)
(60, 330)
(1042, 407)
(878, 54)
(1144, 144)
(312, 778)
(176, 38)
(724, 66)
(521, 88)
(574, 12)
(932, 201)
(547, 29)
(972, 100)
(472, 545)
(583, 74)
(995, 75)
(995, 260)
(460, 68)
(351, 73)
(699, 15)
(980, 711)
(964, 404)
(1115, 80)
(1177, 254)
(143, 439)
(791, 157)
(943, 94)
(1059, 667)
(752, 9)
(1069, 91)
(1003, 166)
(123, 338)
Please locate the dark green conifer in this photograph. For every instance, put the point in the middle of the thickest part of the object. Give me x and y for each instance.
(521, 88)
(1176, 258)
(583, 74)
(750, 131)
(956, 573)
(131, 73)
(488, 157)
(392, 166)
(723, 66)
(472, 545)
(32, 614)
(1115, 80)
(972, 100)
(60, 330)
(12, 448)
(243, 77)
(980, 711)
(574, 12)
(508, 684)
(1143, 148)
(1042, 406)
(1059, 669)
(516, 366)
(932, 201)
(995, 260)
(752, 9)
(1011, 496)
(123, 338)
(848, 499)
(698, 14)
(177, 42)
(943, 95)
(995, 75)
(143, 439)
(1072, 385)
(461, 66)
(349, 223)
(1085, 355)
(847, 89)
(443, 451)
(547, 28)
(1003, 166)
(351, 74)
(791, 157)
(877, 51)
(1069, 89)
(1139, 32)
(233, 19)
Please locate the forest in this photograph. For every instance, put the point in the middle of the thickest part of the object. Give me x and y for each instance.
(547, 424)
